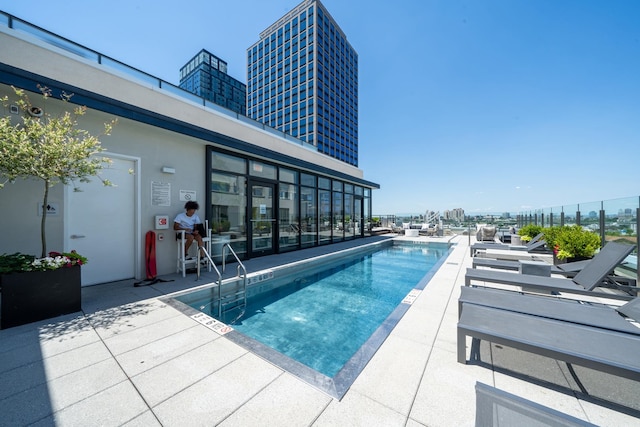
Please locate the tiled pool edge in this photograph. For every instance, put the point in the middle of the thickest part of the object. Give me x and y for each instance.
(337, 386)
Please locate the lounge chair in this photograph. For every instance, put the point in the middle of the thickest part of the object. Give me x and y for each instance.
(592, 275)
(631, 309)
(596, 348)
(495, 407)
(536, 244)
(568, 269)
(612, 250)
(594, 315)
(428, 230)
(486, 233)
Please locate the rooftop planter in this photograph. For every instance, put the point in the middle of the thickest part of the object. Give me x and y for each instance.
(571, 243)
(35, 289)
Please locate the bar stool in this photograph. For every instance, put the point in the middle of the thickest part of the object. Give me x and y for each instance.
(184, 260)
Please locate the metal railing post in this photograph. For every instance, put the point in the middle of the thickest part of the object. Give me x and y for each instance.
(602, 225)
(637, 234)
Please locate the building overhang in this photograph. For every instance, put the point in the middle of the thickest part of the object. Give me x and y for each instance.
(29, 62)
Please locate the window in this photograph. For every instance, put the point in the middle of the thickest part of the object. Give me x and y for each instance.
(229, 163)
(288, 175)
(262, 170)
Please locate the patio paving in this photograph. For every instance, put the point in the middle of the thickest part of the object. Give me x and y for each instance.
(131, 360)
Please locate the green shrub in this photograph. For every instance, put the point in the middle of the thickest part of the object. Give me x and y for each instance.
(572, 241)
(551, 235)
(15, 262)
(529, 231)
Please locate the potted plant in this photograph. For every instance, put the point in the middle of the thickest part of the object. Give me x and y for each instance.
(574, 243)
(54, 150)
(39, 288)
(221, 226)
(571, 243)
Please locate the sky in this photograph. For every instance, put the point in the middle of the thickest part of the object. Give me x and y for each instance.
(486, 105)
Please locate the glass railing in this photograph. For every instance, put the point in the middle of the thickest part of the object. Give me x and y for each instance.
(613, 220)
(52, 39)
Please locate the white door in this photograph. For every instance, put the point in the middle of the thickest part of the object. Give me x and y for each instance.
(100, 224)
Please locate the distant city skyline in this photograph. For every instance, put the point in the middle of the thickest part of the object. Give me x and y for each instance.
(490, 106)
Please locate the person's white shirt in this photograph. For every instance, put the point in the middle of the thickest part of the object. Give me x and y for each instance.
(187, 222)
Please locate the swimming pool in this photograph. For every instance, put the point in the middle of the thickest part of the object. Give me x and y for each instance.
(324, 319)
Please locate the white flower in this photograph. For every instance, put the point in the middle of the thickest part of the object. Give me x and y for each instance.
(49, 263)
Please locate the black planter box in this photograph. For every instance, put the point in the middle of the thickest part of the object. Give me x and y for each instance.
(38, 295)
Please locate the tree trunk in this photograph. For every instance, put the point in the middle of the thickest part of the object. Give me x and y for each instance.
(43, 234)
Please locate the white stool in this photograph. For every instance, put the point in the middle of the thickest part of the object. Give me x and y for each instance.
(183, 259)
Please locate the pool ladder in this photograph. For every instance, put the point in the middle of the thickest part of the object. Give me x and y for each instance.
(237, 299)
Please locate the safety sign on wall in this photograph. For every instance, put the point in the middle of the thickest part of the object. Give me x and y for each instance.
(160, 193)
(52, 209)
(186, 195)
(162, 222)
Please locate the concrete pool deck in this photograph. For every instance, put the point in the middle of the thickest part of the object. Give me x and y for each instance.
(129, 359)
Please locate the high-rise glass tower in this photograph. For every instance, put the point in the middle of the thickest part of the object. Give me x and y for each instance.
(206, 75)
(302, 79)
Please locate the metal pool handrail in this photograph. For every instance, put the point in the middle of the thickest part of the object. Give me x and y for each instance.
(244, 280)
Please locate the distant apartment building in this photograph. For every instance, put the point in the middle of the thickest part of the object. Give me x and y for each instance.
(454, 215)
(302, 79)
(206, 75)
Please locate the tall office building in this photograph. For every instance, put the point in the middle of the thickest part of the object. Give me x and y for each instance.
(206, 75)
(302, 79)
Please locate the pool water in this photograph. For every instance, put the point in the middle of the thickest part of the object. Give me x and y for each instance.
(322, 319)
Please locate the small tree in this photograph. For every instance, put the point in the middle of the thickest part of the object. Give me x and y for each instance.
(48, 148)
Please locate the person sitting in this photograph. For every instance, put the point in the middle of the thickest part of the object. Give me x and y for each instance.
(188, 221)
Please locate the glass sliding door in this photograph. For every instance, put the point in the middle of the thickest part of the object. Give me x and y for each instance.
(228, 209)
(366, 205)
(309, 216)
(357, 216)
(288, 219)
(262, 219)
(349, 224)
(338, 211)
(324, 200)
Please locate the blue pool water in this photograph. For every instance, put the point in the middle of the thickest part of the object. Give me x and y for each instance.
(322, 319)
